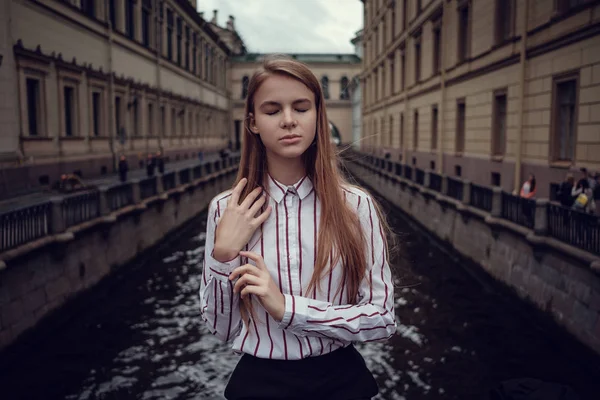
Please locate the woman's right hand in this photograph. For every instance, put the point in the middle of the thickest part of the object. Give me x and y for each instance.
(239, 222)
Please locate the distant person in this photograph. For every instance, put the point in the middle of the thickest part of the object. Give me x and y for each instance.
(150, 165)
(596, 192)
(529, 188)
(123, 168)
(160, 162)
(564, 194)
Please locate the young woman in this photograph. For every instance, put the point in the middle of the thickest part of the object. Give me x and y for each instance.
(296, 264)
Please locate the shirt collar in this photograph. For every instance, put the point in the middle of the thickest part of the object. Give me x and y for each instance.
(277, 190)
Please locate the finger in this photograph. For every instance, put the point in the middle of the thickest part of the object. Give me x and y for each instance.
(257, 258)
(244, 269)
(252, 289)
(250, 198)
(257, 205)
(244, 281)
(263, 217)
(237, 191)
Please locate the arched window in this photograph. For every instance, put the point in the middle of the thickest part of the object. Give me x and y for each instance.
(344, 94)
(245, 82)
(325, 86)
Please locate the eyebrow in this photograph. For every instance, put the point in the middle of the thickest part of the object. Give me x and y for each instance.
(275, 103)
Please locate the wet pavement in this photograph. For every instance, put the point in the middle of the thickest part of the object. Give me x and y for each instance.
(139, 335)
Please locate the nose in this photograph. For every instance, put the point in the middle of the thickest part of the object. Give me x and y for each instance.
(287, 120)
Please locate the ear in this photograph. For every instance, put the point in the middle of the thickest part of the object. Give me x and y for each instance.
(252, 124)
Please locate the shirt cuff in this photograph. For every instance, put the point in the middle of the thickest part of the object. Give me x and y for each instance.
(221, 270)
(296, 308)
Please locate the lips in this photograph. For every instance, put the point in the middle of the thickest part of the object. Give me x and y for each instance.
(290, 137)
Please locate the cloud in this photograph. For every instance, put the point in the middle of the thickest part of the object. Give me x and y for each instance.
(292, 26)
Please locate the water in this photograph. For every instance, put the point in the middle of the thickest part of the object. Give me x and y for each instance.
(139, 335)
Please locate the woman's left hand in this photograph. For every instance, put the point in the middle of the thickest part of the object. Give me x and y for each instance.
(257, 280)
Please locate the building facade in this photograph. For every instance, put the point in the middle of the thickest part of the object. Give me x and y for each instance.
(491, 90)
(83, 81)
(334, 72)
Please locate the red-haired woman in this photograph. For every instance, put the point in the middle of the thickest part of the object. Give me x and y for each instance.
(296, 261)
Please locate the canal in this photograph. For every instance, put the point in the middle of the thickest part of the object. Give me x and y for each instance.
(139, 335)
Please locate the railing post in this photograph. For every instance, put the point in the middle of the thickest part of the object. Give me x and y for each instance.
(58, 222)
(466, 192)
(444, 188)
(496, 202)
(177, 179)
(160, 187)
(426, 178)
(136, 194)
(104, 207)
(540, 224)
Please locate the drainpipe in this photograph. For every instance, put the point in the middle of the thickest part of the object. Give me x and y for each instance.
(112, 132)
(441, 119)
(521, 100)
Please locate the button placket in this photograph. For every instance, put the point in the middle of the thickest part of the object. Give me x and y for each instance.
(291, 201)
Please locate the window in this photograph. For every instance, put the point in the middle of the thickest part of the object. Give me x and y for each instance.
(457, 170)
(173, 122)
(404, 14)
(129, 19)
(401, 130)
(206, 64)
(163, 121)
(432, 165)
(200, 69)
(437, 49)
(403, 72)
(69, 108)
(496, 179)
(118, 115)
(390, 131)
(135, 118)
(179, 39)
(564, 123)
(460, 126)
(245, 82)
(463, 33)
(170, 34)
(376, 75)
(112, 11)
(434, 127)
(146, 13)
(563, 6)
(499, 123)
(187, 47)
(416, 130)
(325, 86)
(504, 20)
(150, 119)
(194, 50)
(96, 113)
(33, 106)
(89, 8)
(419, 6)
(344, 95)
(392, 75)
(393, 20)
(417, 59)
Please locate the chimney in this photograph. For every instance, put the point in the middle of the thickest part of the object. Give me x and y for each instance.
(231, 23)
(214, 18)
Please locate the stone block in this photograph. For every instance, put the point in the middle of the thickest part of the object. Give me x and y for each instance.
(57, 288)
(583, 316)
(12, 312)
(34, 300)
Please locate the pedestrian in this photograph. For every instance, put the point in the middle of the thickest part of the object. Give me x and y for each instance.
(150, 165)
(123, 168)
(267, 284)
(596, 193)
(528, 189)
(565, 190)
(160, 162)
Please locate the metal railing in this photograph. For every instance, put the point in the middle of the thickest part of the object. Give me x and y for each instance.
(455, 188)
(574, 227)
(168, 180)
(120, 196)
(148, 188)
(419, 176)
(518, 210)
(408, 172)
(481, 197)
(25, 224)
(80, 208)
(435, 182)
(184, 176)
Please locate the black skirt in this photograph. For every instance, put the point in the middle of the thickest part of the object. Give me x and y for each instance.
(339, 375)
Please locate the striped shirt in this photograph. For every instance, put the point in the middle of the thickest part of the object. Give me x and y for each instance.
(313, 324)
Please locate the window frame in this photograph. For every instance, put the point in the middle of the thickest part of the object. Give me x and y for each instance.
(498, 147)
(460, 134)
(554, 156)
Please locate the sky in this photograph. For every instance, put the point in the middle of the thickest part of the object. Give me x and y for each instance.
(291, 26)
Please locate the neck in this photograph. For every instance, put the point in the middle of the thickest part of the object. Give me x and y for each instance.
(288, 171)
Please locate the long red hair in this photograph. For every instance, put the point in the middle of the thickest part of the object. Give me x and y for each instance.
(340, 233)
